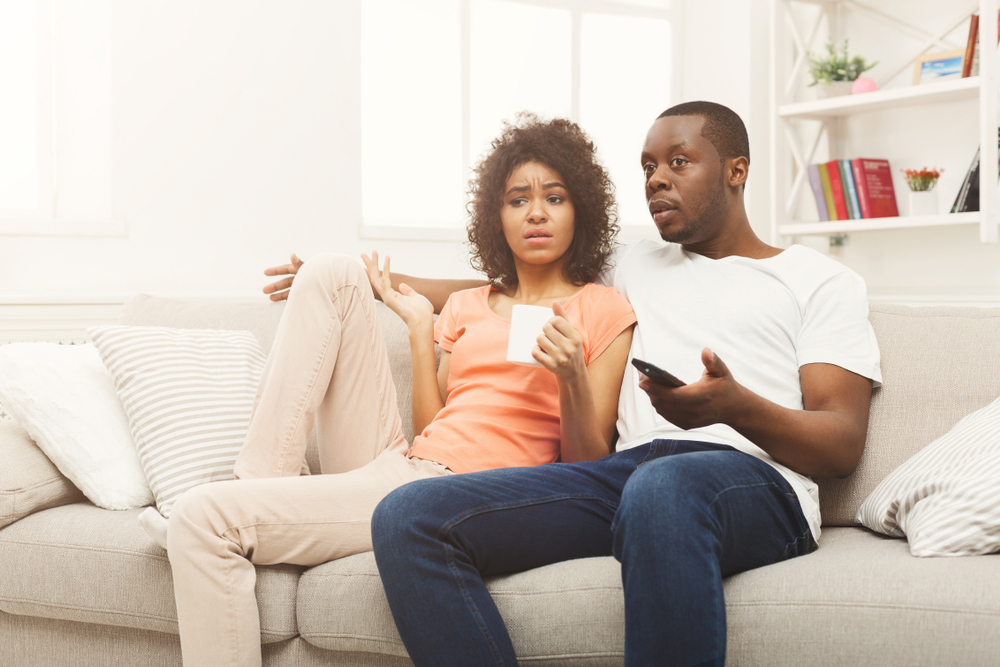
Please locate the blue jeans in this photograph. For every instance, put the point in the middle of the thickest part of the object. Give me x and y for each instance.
(678, 515)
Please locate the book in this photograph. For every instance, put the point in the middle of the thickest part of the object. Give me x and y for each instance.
(847, 174)
(824, 179)
(968, 193)
(880, 195)
(844, 189)
(817, 188)
(859, 186)
(963, 201)
(970, 46)
(837, 188)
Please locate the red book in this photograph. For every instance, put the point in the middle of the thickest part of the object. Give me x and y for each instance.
(859, 183)
(837, 187)
(970, 45)
(880, 196)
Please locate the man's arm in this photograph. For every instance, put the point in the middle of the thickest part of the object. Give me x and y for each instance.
(436, 290)
(825, 439)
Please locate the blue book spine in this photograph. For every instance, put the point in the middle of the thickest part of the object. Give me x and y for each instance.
(851, 189)
(817, 188)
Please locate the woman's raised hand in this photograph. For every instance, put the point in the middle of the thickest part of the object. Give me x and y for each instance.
(413, 308)
(560, 346)
(280, 288)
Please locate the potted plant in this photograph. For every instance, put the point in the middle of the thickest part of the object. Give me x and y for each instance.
(923, 198)
(835, 72)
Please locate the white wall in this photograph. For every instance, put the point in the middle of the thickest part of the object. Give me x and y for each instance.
(236, 142)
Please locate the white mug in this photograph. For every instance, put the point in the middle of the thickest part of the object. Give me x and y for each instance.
(526, 324)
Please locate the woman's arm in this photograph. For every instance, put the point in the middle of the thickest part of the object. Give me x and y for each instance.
(588, 395)
(418, 314)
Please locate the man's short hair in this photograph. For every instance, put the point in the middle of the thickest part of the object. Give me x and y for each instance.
(723, 127)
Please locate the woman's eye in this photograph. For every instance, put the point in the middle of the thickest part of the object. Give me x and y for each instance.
(555, 199)
(520, 201)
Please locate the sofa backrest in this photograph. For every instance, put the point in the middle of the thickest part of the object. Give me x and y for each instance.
(261, 319)
(938, 365)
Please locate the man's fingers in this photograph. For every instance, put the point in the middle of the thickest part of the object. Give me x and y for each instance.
(280, 296)
(279, 285)
(282, 270)
(713, 364)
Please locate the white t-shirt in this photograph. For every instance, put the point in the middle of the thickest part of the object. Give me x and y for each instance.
(763, 317)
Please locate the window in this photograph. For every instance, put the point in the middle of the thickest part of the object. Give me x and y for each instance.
(56, 120)
(438, 77)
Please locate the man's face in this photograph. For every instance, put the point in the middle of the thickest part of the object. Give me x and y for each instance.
(685, 188)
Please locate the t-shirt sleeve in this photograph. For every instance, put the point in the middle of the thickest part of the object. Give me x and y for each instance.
(835, 328)
(607, 315)
(446, 326)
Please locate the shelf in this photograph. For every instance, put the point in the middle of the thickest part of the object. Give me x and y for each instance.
(870, 224)
(844, 105)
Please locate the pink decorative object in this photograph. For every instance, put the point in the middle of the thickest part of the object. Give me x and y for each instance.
(863, 85)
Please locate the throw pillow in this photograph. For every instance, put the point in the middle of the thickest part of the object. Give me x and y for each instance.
(29, 482)
(65, 399)
(188, 394)
(946, 499)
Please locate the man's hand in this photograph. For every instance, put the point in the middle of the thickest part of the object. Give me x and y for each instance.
(710, 400)
(560, 346)
(279, 289)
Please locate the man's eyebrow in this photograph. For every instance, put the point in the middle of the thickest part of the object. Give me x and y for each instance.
(547, 186)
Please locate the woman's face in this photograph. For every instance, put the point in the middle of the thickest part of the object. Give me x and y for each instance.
(537, 214)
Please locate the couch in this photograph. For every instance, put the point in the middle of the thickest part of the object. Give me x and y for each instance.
(84, 586)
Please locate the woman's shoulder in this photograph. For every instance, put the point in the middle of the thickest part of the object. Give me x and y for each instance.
(471, 296)
(593, 293)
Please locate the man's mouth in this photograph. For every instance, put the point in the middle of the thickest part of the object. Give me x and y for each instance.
(662, 209)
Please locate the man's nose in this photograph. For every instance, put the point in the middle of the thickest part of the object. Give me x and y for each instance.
(659, 180)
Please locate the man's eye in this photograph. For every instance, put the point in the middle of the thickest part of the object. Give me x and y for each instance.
(678, 162)
(648, 168)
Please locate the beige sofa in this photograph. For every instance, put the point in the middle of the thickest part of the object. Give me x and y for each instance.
(84, 586)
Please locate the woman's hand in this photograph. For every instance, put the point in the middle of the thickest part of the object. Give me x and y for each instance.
(280, 288)
(560, 346)
(415, 310)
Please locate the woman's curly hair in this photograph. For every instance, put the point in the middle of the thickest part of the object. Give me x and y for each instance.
(562, 146)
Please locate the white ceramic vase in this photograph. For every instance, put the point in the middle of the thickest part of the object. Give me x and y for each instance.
(923, 203)
(835, 89)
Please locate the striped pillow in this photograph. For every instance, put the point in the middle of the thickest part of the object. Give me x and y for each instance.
(188, 394)
(946, 499)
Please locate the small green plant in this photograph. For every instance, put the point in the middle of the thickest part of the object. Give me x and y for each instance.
(834, 66)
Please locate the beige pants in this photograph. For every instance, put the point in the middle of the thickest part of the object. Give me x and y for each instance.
(328, 367)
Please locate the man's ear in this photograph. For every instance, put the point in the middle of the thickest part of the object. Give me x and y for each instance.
(737, 170)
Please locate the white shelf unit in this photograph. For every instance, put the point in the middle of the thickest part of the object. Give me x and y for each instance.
(790, 184)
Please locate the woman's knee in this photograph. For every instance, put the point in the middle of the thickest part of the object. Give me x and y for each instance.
(330, 271)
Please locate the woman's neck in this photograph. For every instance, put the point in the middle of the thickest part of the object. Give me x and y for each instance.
(540, 285)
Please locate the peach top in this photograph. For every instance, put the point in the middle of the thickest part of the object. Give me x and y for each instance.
(500, 414)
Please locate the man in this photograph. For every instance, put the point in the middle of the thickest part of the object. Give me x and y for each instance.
(710, 478)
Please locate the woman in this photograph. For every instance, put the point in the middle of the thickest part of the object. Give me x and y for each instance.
(541, 229)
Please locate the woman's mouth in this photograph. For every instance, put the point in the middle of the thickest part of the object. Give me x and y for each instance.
(537, 236)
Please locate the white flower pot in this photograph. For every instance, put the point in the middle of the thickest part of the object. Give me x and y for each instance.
(835, 89)
(923, 203)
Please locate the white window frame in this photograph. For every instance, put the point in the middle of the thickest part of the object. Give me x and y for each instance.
(376, 230)
(44, 220)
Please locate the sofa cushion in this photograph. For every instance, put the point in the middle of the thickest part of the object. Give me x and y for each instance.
(570, 613)
(83, 563)
(261, 319)
(938, 365)
(861, 599)
(29, 481)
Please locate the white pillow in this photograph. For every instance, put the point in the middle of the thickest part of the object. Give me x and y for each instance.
(188, 394)
(65, 399)
(946, 499)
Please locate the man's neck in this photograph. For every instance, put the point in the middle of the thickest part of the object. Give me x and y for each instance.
(735, 237)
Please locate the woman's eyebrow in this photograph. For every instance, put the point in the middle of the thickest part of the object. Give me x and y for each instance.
(547, 186)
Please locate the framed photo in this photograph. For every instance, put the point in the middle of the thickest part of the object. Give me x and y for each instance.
(935, 67)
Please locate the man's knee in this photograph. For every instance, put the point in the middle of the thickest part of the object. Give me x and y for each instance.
(197, 512)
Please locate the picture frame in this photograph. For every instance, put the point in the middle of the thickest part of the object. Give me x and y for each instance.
(937, 67)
